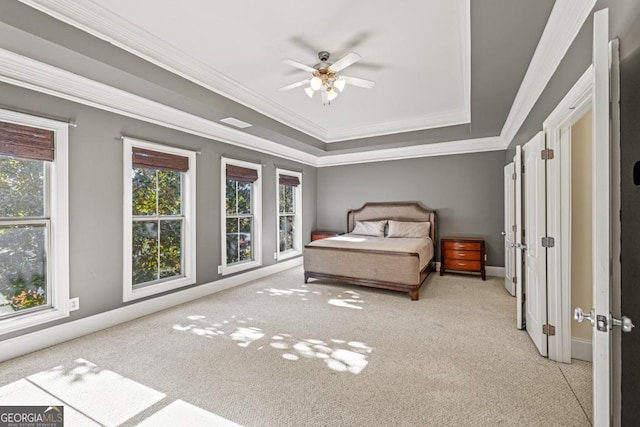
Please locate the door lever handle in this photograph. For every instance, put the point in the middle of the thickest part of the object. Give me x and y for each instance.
(580, 316)
(521, 246)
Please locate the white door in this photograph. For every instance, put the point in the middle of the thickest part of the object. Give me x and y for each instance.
(535, 276)
(509, 232)
(601, 211)
(518, 239)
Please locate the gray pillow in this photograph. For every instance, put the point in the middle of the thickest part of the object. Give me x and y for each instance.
(369, 228)
(408, 229)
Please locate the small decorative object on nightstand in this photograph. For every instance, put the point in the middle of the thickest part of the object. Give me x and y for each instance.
(462, 254)
(317, 235)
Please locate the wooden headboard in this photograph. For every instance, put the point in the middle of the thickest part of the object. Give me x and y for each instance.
(398, 211)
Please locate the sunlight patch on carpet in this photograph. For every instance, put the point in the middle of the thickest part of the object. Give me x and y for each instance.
(337, 354)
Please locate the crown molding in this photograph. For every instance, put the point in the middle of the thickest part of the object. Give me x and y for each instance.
(449, 118)
(565, 21)
(28, 73)
(477, 145)
(90, 17)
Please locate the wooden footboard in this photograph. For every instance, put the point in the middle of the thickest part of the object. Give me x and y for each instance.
(412, 290)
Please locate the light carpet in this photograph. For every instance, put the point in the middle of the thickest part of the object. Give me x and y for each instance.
(277, 352)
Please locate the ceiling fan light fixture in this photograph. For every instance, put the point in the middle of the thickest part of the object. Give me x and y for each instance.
(309, 90)
(315, 83)
(331, 94)
(339, 84)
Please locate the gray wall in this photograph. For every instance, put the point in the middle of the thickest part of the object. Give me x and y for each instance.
(95, 197)
(466, 190)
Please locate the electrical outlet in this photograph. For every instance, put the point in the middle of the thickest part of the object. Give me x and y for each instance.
(219, 269)
(74, 304)
(485, 257)
(275, 255)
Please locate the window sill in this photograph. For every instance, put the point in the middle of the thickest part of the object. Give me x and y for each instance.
(28, 320)
(146, 291)
(238, 267)
(288, 254)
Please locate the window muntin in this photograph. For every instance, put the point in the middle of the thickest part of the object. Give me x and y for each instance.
(289, 196)
(34, 252)
(160, 212)
(241, 215)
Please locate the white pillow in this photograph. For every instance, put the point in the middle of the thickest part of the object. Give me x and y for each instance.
(369, 228)
(408, 229)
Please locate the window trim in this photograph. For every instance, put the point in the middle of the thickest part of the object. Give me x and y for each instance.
(256, 200)
(297, 237)
(57, 192)
(129, 293)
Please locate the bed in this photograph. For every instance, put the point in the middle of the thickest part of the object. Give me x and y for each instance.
(387, 245)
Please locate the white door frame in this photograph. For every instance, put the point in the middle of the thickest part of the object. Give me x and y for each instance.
(557, 128)
(509, 232)
(519, 223)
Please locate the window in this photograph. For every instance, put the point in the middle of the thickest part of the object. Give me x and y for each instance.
(34, 253)
(289, 213)
(159, 217)
(241, 215)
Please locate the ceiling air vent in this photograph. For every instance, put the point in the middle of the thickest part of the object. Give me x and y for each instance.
(235, 122)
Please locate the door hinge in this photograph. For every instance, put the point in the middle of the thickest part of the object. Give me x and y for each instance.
(548, 330)
(514, 279)
(514, 176)
(522, 167)
(514, 228)
(548, 242)
(547, 154)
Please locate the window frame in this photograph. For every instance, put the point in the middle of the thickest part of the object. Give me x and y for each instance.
(56, 194)
(256, 209)
(297, 236)
(188, 202)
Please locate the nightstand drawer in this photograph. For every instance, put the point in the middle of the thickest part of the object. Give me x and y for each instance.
(457, 264)
(455, 254)
(469, 246)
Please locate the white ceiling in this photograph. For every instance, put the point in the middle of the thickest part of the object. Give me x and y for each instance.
(418, 55)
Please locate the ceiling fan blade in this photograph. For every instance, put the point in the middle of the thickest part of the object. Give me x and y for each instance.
(355, 81)
(345, 61)
(299, 65)
(294, 85)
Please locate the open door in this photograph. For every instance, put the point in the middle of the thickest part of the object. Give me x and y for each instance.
(509, 232)
(535, 276)
(518, 238)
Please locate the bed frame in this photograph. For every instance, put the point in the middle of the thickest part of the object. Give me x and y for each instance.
(378, 269)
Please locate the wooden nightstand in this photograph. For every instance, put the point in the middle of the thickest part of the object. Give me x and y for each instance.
(462, 254)
(317, 235)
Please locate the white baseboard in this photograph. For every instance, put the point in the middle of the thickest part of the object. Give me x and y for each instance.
(23, 344)
(581, 349)
(490, 270)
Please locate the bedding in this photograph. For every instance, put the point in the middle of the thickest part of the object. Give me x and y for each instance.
(366, 257)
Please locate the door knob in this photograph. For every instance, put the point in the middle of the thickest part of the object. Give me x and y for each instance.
(580, 315)
(624, 322)
(503, 233)
(521, 246)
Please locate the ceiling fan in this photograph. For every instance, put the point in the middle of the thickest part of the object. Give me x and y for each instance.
(325, 77)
